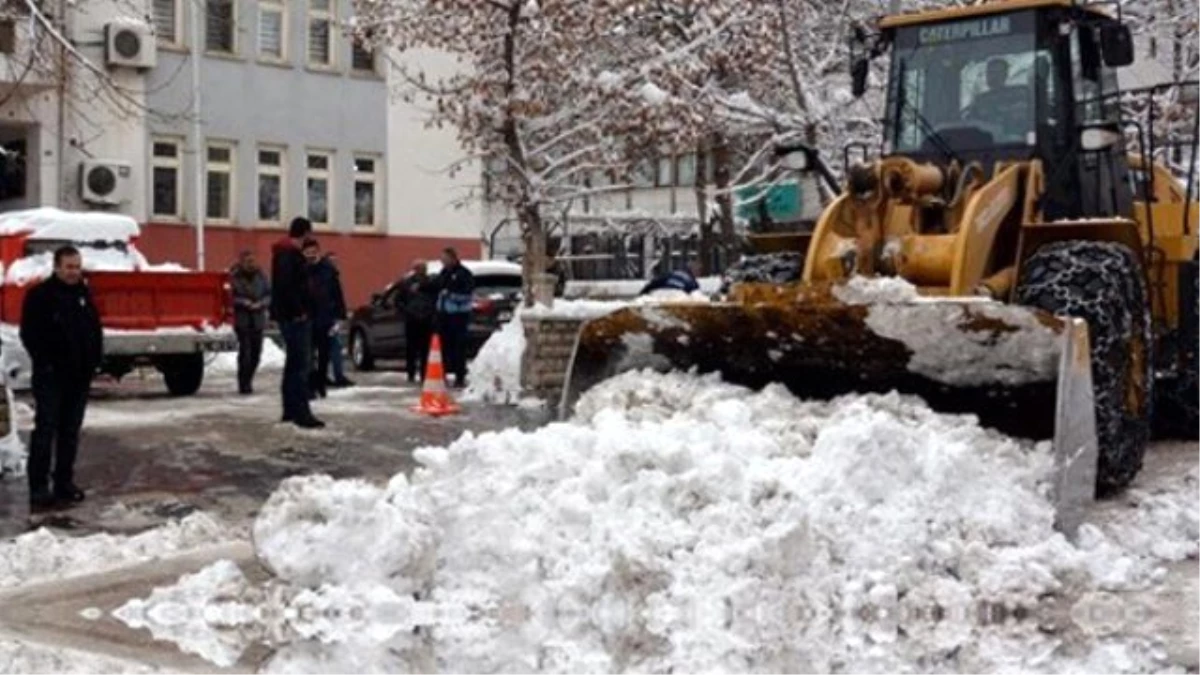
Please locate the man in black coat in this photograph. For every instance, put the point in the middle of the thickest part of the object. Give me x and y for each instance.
(456, 299)
(329, 310)
(60, 328)
(291, 309)
(420, 304)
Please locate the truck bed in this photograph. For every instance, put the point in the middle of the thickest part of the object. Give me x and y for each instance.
(145, 300)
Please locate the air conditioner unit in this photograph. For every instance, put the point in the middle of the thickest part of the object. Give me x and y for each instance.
(129, 44)
(105, 182)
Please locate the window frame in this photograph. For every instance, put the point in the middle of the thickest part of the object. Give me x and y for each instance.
(176, 41)
(326, 174)
(330, 16)
(175, 163)
(230, 168)
(280, 171)
(278, 7)
(375, 178)
(233, 31)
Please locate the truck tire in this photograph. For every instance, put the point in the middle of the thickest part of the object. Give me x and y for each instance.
(1103, 283)
(360, 351)
(183, 374)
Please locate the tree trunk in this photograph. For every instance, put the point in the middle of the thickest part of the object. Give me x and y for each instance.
(706, 233)
(533, 264)
(722, 170)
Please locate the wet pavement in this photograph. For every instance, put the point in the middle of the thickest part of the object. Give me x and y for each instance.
(146, 458)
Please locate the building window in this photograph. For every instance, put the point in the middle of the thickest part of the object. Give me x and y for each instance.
(272, 30)
(317, 187)
(664, 176)
(220, 26)
(164, 178)
(270, 184)
(685, 170)
(362, 56)
(218, 184)
(166, 21)
(320, 33)
(365, 179)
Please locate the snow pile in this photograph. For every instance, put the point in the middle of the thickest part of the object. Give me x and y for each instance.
(225, 363)
(41, 265)
(859, 290)
(12, 450)
(43, 555)
(681, 523)
(496, 370)
(1163, 522)
(50, 224)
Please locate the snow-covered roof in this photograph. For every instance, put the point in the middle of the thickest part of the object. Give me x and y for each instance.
(480, 267)
(79, 226)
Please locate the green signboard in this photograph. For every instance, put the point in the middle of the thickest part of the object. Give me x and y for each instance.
(784, 202)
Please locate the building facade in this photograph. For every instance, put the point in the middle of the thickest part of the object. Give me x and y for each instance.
(295, 119)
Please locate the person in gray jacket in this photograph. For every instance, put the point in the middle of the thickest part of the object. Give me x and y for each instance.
(251, 298)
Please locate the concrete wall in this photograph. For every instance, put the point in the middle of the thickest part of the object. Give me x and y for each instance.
(249, 101)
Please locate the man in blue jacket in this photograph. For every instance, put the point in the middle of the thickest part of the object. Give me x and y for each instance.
(679, 280)
(456, 287)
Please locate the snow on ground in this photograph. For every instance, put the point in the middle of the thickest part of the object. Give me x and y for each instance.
(496, 369)
(42, 555)
(225, 363)
(623, 288)
(679, 523)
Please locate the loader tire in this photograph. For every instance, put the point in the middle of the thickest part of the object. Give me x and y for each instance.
(1177, 408)
(1103, 283)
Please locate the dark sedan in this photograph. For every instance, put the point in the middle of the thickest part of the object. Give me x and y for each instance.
(377, 329)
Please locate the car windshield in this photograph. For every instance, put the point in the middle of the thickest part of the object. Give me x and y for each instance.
(966, 84)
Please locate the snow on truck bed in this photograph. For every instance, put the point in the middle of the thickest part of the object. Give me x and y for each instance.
(93, 234)
(678, 523)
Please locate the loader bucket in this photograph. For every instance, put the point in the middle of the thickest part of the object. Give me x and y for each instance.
(1021, 371)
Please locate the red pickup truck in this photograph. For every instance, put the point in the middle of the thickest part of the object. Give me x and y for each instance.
(161, 316)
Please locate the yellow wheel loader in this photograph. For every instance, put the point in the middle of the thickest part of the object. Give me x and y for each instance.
(1054, 269)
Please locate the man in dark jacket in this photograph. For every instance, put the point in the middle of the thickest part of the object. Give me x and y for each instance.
(328, 311)
(420, 297)
(60, 328)
(291, 308)
(679, 280)
(456, 287)
(251, 295)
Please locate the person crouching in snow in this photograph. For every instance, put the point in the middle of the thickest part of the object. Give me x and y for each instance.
(251, 296)
(60, 328)
(329, 310)
(679, 280)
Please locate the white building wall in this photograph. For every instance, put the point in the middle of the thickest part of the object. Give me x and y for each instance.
(425, 199)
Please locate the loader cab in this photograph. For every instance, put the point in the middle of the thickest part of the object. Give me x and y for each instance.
(1014, 85)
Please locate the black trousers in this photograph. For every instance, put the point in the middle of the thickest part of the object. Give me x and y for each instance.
(60, 405)
(321, 344)
(453, 330)
(417, 335)
(250, 343)
(297, 338)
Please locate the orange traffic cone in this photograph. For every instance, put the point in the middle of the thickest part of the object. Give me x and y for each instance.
(435, 401)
